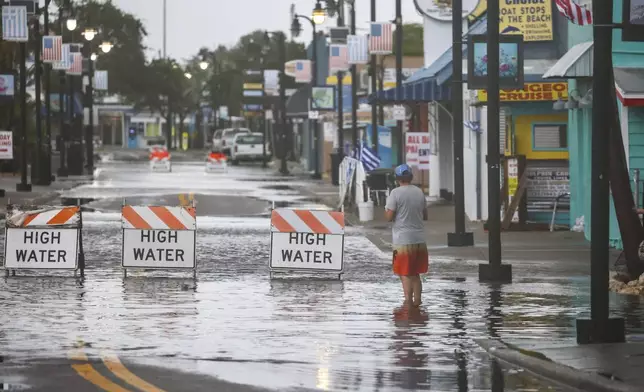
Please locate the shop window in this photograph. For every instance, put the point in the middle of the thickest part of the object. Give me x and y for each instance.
(549, 137)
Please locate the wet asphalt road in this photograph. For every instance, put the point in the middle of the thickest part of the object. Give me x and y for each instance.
(234, 329)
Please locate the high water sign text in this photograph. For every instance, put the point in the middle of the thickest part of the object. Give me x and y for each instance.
(41, 249)
(158, 248)
(307, 251)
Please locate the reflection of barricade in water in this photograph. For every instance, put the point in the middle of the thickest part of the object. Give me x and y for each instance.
(160, 159)
(216, 161)
(43, 238)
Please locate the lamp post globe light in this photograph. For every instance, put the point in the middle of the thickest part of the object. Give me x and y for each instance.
(71, 24)
(93, 57)
(319, 14)
(203, 65)
(188, 75)
(89, 34)
(106, 46)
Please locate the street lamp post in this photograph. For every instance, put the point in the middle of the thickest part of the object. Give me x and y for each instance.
(37, 151)
(70, 23)
(45, 171)
(318, 17)
(89, 35)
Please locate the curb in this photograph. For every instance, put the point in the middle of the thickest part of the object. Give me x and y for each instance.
(43, 198)
(582, 380)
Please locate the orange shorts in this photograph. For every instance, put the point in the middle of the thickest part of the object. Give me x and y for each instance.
(410, 259)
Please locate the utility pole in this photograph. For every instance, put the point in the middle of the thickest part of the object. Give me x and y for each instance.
(459, 237)
(354, 85)
(45, 177)
(373, 64)
(399, 58)
(37, 152)
(494, 271)
(601, 328)
(282, 104)
(23, 186)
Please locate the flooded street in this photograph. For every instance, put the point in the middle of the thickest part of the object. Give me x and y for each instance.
(236, 324)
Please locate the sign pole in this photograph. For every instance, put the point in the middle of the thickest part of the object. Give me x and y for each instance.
(399, 75)
(494, 271)
(23, 186)
(460, 237)
(374, 90)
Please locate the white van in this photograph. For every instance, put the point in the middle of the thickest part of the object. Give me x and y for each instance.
(247, 147)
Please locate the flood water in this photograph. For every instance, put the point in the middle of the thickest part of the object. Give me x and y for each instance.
(293, 331)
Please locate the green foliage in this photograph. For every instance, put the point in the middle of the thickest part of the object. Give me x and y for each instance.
(413, 39)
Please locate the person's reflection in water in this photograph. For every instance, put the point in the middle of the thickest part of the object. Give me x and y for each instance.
(410, 325)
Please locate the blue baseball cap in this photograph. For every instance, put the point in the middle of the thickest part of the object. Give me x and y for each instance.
(403, 170)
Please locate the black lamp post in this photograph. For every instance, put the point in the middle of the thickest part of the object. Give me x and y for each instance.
(89, 35)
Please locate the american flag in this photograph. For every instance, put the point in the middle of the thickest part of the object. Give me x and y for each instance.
(100, 80)
(64, 63)
(576, 13)
(338, 58)
(14, 23)
(303, 71)
(76, 64)
(358, 49)
(381, 39)
(52, 48)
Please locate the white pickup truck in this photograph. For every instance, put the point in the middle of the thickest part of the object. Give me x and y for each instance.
(247, 147)
(222, 140)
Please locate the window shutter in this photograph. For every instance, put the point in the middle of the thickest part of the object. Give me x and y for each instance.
(502, 130)
(547, 136)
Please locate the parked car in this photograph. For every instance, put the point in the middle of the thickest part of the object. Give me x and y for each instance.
(216, 140)
(247, 147)
(227, 137)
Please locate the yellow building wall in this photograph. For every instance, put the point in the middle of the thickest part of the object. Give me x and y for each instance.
(522, 132)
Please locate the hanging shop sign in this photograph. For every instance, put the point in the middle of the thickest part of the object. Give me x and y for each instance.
(417, 147)
(510, 61)
(531, 92)
(531, 19)
(441, 10)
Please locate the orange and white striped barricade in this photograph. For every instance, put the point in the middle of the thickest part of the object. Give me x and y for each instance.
(216, 162)
(307, 241)
(160, 160)
(159, 237)
(43, 238)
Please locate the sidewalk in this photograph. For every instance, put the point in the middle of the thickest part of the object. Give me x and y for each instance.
(593, 367)
(570, 249)
(38, 194)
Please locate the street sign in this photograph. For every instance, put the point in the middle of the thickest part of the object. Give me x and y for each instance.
(399, 113)
(6, 145)
(307, 240)
(42, 237)
(159, 237)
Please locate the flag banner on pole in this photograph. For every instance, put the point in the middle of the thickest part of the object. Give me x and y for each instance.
(303, 71)
(381, 39)
(14, 23)
(75, 64)
(100, 80)
(338, 58)
(577, 14)
(52, 48)
(370, 161)
(358, 49)
(64, 63)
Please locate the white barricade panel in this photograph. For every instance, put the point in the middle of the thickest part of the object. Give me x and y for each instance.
(159, 237)
(42, 237)
(307, 240)
(160, 165)
(216, 162)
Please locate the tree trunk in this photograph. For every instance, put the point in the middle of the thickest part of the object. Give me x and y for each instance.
(628, 220)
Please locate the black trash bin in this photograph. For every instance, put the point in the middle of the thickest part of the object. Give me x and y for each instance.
(75, 159)
(380, 180)
(336, 160)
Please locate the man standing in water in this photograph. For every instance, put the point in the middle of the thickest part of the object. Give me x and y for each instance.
(406, 208)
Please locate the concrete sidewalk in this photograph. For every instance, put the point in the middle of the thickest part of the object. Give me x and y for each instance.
(38, 194)
(569, 249)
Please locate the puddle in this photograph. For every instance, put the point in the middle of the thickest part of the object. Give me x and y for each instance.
(74, 201)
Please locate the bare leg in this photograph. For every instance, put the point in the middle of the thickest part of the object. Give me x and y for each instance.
(417, 287)
(407, 289)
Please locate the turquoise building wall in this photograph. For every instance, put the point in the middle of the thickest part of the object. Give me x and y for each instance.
(625, 54)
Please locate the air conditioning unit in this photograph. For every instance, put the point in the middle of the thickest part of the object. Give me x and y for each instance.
(364, 82)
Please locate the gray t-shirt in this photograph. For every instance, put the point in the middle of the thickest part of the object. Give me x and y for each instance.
(408, 202)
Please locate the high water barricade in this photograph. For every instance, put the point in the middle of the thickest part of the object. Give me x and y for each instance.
(307, 241)
(159, 237)
(216, 161)
(43, 238)
(160, 159)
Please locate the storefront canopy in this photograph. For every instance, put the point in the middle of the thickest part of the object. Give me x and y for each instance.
(629, 83)
(576, 63)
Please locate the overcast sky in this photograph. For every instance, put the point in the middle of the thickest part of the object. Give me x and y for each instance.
(196, 23)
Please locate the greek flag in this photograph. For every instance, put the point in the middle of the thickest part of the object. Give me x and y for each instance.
(358, 49)
(369, 159)
(14, 23)
(100, 80)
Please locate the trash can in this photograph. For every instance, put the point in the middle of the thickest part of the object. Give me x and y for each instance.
(336, 160)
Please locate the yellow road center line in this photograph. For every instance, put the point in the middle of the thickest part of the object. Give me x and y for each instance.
(182, 199)
(90, 374)
(114, 364)
(77, 355)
